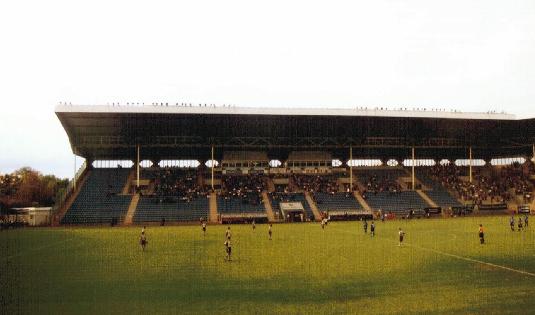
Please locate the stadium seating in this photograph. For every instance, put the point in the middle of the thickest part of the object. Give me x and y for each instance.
(423, 176)
(316, 183)
(397, 203)
(381, 179)
(436, 191)
(154, 209)
(336, 201)
(99, 200)
(241, 194)
(177, 197)
(227, 205)
(443, 198)
(174, 182)
(280, 187)
(380, 173)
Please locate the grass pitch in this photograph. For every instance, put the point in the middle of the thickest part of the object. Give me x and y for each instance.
(441, 269)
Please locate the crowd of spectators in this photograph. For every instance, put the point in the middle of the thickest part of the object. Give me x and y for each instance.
(326, 184)
(284, 196)
(182, 184)
(375, 184)
(517, 178)
(247, 188)
(490, 184)
(316, 183)
(494, 185)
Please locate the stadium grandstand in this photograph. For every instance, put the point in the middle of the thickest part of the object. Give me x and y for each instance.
(165, 163)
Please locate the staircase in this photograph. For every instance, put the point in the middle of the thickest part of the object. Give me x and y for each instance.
(267, 205)
(426, 198)
(360, 186)
(313, 206)
(341, 186)
(131, 177)
(270, 185)
(407, 181)
(362, 202)
(129, 218)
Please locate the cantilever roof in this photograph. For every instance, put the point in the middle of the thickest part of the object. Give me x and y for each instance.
(278, 111)
(163, 132)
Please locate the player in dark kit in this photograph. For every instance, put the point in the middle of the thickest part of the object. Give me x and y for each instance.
(203, 228)
(227, 233)
(228, 248)
(520, 226)
(481, 234)
(526, 221)
(372, 229)
(143, 239)
(365, 226)
(512, 223)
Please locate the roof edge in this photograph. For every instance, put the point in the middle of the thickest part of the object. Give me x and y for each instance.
(278, 111)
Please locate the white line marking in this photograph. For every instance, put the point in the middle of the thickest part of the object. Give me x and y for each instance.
(462, 258)
(473, 260)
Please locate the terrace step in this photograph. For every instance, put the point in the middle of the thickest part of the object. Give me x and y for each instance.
(426, 198)
(362, 202)
(213, 208)
(360, 185)
(270, 185)
(131, 177)
(313, 206)
(267, 205)
(408, 180)
(129, 218)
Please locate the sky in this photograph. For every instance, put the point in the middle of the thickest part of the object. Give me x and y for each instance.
(466, 55)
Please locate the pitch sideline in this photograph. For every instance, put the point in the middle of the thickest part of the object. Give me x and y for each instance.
(473, 260)
(462, 258)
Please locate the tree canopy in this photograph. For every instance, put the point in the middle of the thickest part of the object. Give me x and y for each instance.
(27, 187)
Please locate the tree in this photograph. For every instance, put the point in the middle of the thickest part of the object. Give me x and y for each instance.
(27, 187)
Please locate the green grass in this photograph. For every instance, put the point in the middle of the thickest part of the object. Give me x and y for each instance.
(303, 270)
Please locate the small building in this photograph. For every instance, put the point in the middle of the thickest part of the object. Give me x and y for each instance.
(32, 216)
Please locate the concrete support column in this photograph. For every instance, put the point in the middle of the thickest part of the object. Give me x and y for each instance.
(137, 167)
(470, 163)
(351, 168)
(213, 166)
(74, 174)
(413, 175)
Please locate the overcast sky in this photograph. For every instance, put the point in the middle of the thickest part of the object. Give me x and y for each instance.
(468, 55)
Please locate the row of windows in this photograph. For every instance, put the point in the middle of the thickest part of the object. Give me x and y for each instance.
(333, 163)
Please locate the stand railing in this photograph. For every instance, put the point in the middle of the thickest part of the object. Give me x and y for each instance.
(63, 195)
